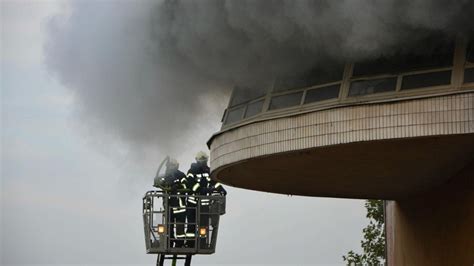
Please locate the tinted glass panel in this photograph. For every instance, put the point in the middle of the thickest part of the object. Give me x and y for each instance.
(433, 52)
(469, 75)
(312, 77)
(286, 100)
(426, 80)
(244, 94)
(363, 87)
(321, 94)
(470, 52)
(234, 115)
(254, 108)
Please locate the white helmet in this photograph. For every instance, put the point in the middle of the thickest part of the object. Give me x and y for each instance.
(172, 164)
(202, 157)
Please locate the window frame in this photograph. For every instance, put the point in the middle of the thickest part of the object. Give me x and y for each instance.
(466, 64)
(283, 94)
(319, 87)
(301, 105)
(251, 102)
(245, 105)
(457, 68)
(400, 78)
(468, 84)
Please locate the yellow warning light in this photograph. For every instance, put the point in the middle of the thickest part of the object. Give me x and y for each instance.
(161, 229)
(202, 231)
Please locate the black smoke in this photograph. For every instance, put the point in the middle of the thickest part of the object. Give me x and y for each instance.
(156, 74)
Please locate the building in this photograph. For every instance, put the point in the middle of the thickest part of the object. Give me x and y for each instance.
(399, 128)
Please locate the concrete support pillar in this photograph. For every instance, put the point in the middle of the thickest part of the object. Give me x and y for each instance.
(435, 228)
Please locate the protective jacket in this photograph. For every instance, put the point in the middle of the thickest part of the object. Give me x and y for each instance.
(200, 182)
(196, 179)
(171, 183)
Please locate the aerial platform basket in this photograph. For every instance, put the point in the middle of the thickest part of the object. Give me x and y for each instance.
(201, 224)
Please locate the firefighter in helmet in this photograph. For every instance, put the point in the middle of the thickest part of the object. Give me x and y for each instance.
(200, 183)
(195, 175)
(171, 183)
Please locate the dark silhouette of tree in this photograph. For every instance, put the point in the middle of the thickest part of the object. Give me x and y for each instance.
(373, 244)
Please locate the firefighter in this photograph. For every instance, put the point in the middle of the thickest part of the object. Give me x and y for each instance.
(196, 176)
(171, 183)
(201, 184)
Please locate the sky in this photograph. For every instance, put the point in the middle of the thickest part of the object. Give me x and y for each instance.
(71, 197)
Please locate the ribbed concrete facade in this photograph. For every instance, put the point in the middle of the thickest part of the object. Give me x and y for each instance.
(432, 116)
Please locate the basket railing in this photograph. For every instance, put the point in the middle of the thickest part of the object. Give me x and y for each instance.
(192, 231)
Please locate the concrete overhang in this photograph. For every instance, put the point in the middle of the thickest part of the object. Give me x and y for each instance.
(383, 150)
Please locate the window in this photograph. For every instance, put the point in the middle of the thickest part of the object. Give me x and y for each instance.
(363, 87)
(234, 115)
(254, 108)
(321, 94)
(314, 76)
(470, 52)
(469, 75)
(469, 72)
(431, 52)
(286, 100)
(245, 94)
(426, 80)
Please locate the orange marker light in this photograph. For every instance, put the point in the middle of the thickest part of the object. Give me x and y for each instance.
(161, 229)
(202, 231)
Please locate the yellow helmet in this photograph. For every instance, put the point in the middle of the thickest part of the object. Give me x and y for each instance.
(202, 156)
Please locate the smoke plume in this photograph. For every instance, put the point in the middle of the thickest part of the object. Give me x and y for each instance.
(156, 74)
